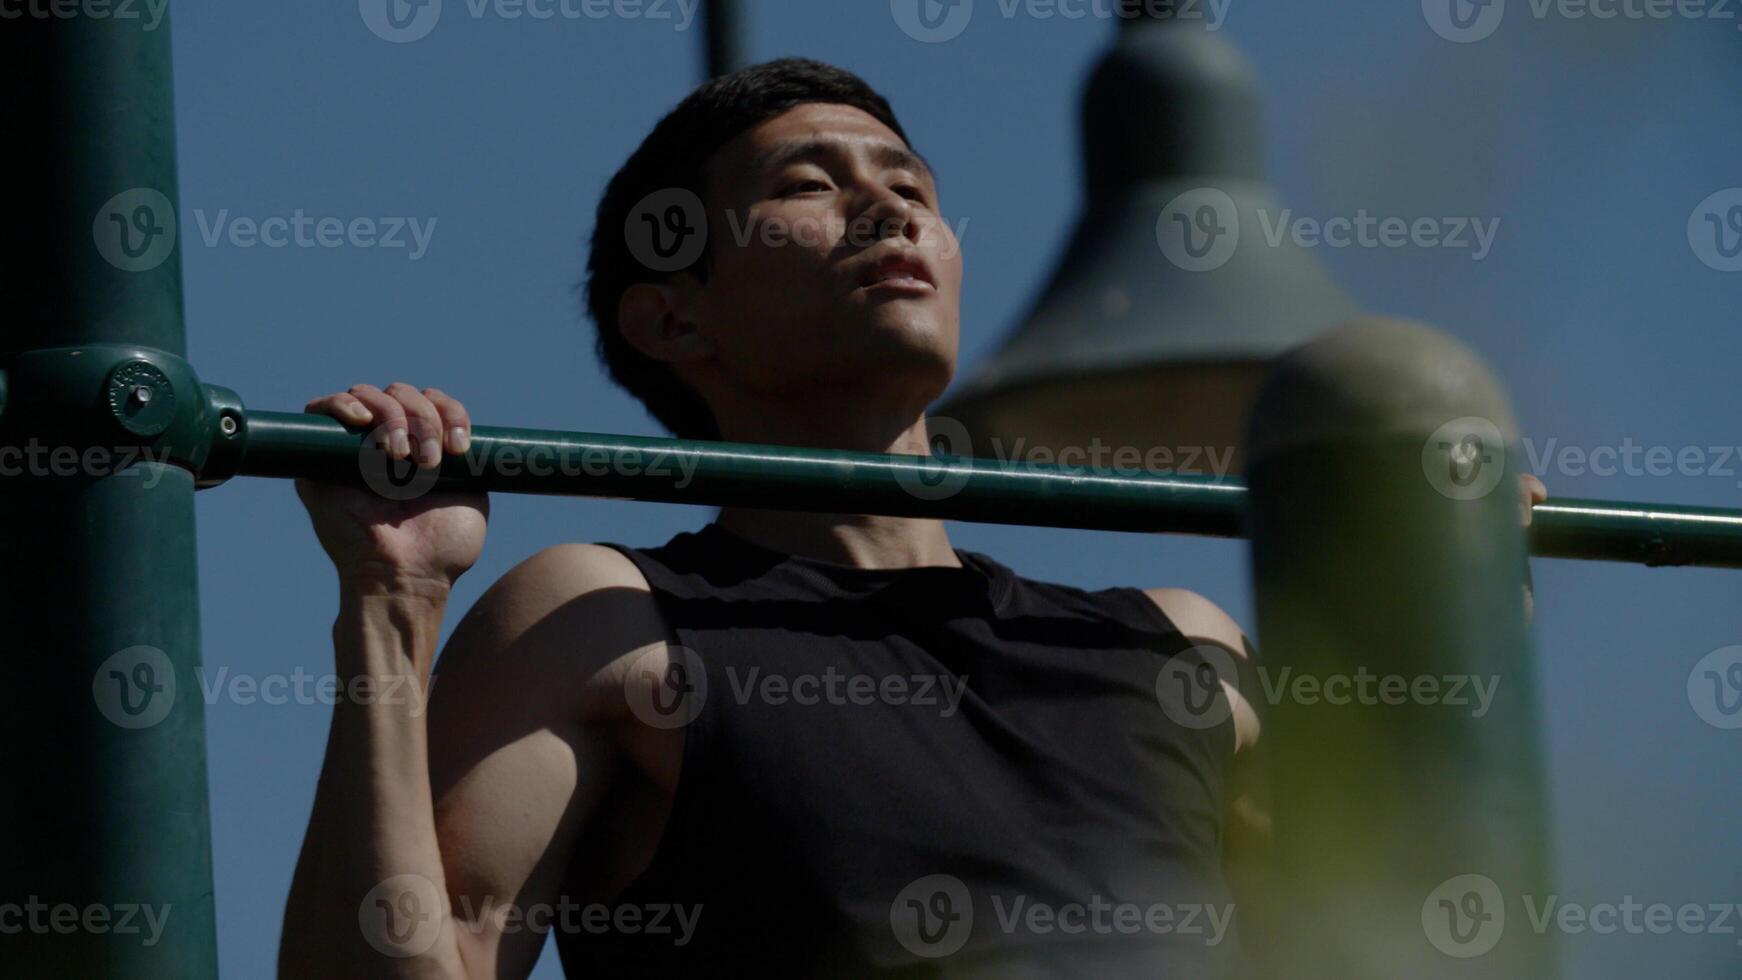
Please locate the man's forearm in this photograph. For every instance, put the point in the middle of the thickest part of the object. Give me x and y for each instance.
(368, 898)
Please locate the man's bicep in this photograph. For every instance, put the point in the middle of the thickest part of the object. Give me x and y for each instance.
(1202, 621)
(517, 768)
(1247, 826)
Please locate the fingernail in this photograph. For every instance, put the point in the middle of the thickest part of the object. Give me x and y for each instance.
(458, 439)
(430, 452)
(401, 443)
(357, 412)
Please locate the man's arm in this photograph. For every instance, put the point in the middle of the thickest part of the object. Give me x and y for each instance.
(1204, 622)
(1247, 825)
(470, 820)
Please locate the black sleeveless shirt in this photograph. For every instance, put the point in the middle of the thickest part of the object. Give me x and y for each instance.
(922, 772)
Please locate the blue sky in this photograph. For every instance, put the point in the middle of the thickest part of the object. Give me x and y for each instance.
(1591, 141)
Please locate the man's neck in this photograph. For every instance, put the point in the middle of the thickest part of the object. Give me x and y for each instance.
(847, 539)
(850, 539)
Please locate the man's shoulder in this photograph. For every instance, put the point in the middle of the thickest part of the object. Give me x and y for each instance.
(562, 571)
(574, 608)
(1199, 618)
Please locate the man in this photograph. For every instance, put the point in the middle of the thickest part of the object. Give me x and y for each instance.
(788, 744)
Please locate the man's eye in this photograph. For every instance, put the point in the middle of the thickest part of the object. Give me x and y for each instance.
(803, 187)
(912, 192)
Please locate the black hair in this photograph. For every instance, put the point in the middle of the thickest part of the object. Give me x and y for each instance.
(675, 155)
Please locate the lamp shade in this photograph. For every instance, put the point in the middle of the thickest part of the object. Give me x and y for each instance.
(1177, 292)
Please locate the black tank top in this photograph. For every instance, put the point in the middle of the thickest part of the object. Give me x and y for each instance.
(923, 772)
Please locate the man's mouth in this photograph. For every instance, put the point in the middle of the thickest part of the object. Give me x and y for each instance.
(902, 273)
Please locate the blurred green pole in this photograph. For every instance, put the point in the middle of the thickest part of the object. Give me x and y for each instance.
(108, 850)
(1409, 808)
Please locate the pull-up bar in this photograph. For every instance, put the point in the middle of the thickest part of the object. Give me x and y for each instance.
(546, 461)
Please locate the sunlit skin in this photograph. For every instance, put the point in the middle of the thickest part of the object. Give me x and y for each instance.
(821, 196)
(786, 340)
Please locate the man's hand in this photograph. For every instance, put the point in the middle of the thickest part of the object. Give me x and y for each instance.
(418, 545)
(1530, 493)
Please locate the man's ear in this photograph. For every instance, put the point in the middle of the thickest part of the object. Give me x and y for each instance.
(655, 318)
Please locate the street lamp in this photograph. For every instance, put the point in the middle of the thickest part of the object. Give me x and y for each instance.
(1171, 301)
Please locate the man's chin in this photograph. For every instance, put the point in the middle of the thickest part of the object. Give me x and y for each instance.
(910, 338)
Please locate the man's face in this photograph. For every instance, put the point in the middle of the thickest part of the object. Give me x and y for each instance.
(832, 270)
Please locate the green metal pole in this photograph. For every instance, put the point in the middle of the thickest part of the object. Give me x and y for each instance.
(1401, 732)
(546, 461)
(108, 844)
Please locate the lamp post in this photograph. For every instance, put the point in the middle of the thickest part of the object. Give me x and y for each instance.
(1169, 304)
(723, 35)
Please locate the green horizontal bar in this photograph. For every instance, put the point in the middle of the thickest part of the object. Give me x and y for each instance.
(547, 461)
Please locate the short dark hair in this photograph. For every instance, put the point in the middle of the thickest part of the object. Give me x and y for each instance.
(675, 155)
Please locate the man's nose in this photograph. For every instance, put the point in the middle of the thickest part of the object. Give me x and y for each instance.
(888, 215)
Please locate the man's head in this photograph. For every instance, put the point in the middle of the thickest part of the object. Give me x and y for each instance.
(828, 276)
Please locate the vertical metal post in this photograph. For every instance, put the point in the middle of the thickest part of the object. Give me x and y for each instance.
(1404, 747)
(108, 848)
(723, 21)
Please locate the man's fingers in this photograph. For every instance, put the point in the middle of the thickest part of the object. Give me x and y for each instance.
(391, 428)
(1531, 492)
(424, 421)
(456, 424)
(408, 422)
(341, 405)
